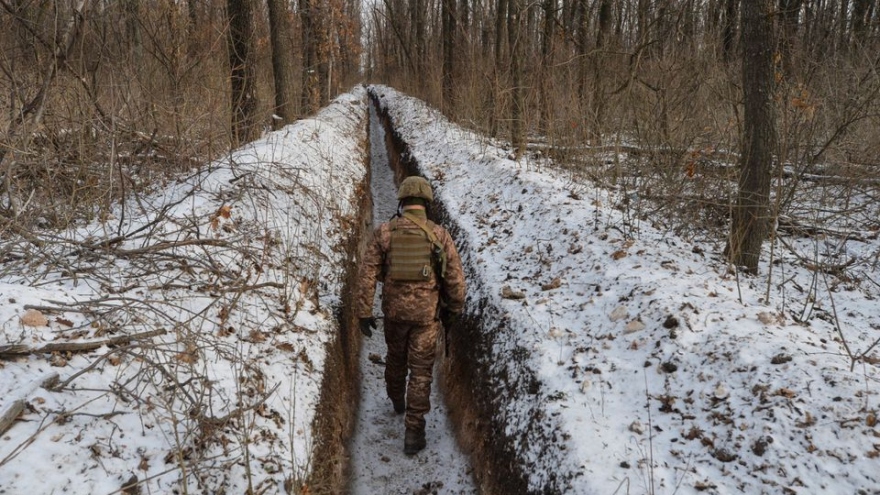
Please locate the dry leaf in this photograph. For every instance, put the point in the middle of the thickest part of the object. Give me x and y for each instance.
(555, 284)
(787, 393)
(64, 321)
(57, 360)
(508, 293)
(767, 318)
(619, 254)
(619, 313)
(285, 346)
(225, 211)
(634, 326)
(189, 357)
(34, 318)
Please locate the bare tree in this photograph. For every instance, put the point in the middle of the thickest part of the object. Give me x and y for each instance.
(750, 220)
(282, 61)
(242, 79)
(789, 17)
(310, 19)
(729, 29)
(546, 59)
(495, 93)
(517, 50)
(449, 56)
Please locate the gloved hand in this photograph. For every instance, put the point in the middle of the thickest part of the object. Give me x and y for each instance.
(367, 326)
(448, 318)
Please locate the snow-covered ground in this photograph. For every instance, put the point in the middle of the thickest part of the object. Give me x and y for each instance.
(377, 459)
(626, 360)
(228, 281)
(621, 359)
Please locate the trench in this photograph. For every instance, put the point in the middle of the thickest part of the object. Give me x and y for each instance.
(472, 385)
(358, 438)
(377, 461)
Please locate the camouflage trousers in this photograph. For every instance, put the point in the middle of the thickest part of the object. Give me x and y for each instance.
(411, 347)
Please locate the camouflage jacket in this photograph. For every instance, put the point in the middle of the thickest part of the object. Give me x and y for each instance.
(414, 302)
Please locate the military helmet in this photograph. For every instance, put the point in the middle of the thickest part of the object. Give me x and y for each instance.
(415, 187)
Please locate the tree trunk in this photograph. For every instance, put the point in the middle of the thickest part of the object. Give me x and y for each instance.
(750, 219)
(598, 100)
(494, 95)
(243, 73)
(311, 89)
(728, 30)
(843, 27)
(448, 77)
(583, 51)
(132, 10)
(282, 62)
(789, 10)
(517, 110)
(546, 61)
(861, 9)
(417, 33)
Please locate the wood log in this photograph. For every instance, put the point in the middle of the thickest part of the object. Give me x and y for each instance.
(14, 349)
(10, 415)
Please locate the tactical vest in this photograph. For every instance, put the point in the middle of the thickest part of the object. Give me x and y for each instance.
(415, 254)
(410, 255)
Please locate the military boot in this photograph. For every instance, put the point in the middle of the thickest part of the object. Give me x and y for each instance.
(399, 406)
(413, 441)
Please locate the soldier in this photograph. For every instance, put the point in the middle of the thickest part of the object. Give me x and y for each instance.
(423, 284)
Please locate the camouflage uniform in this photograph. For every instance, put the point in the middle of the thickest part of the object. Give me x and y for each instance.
(411, 316)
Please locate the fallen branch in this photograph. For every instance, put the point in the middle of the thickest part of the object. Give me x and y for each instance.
(15, 409)
(795, 227)
(77, 346)
(10, 415)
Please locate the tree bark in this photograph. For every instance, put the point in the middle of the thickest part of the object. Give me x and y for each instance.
(728, 30)
(789, 10)
(546, 61)
(242, 79)
(583, 63)
(494, 95)
(417, 33)
(448, 76)
(517, 110)
(598, 100)
(310, 96)
(282, 62)
(861, 8)
(750, 216)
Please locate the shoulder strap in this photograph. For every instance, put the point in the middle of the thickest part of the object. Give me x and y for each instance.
(433, 238)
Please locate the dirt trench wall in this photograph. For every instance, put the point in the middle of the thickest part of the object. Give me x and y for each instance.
(473, 392)
(335, 416)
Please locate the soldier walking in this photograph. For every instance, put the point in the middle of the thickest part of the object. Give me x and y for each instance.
(423, 284)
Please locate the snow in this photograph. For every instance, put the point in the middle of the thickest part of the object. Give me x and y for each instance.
(636, 361)
(238, 267)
